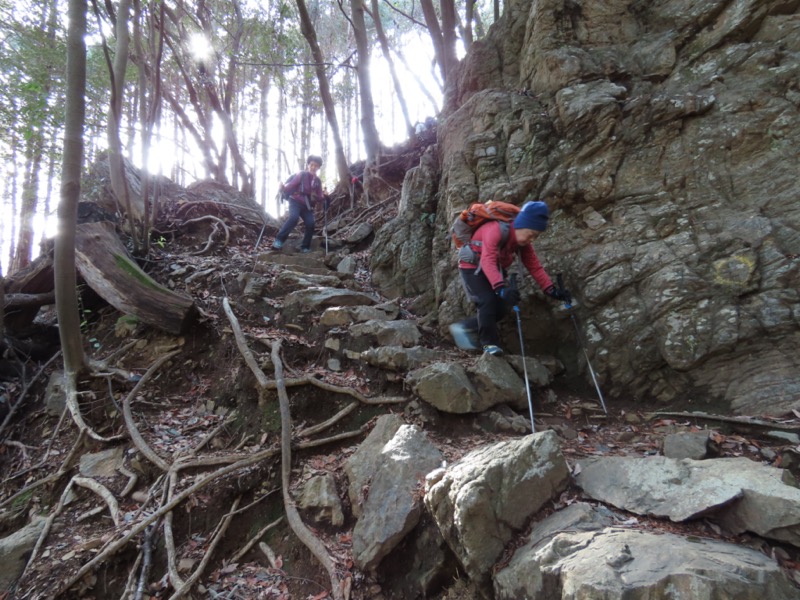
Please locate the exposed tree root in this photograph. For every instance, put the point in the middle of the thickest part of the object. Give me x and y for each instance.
(132, 479)
(300, 529)
(147, 561)
(130, 590)
(25, 391)
(137, 438)
(220, 533)
(71, 393)
(48, 525)
(292, 515)
(747, 423)
(254, 540)
(114, 547)
(218, 223)
(169, 538)
(265, 384)
(330, 422)
(65, 466)
(102, 491)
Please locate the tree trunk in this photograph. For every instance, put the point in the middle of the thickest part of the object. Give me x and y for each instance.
(307, 28)
(72, 165)
(11, 182)
(443, 36)
(30, 196)
(35, 152)
(132, 207)
(469, 15)
(376, 18)
(263, 119)
(371, 137)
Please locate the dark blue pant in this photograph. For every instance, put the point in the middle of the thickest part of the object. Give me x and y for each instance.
(491, 309)
(296, 212)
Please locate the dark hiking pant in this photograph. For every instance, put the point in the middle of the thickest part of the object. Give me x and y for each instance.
(491, 309)
(296, 212)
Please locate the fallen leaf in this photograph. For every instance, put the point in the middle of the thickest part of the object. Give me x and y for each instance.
(229, 568)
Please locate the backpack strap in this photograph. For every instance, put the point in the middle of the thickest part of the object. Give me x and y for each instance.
(505, 231)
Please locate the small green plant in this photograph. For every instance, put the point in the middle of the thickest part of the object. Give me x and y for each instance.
(429, 218)
(161, 241)
(85, 314)
(21, 500)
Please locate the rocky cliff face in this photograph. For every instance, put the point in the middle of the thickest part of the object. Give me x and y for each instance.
(664, 136)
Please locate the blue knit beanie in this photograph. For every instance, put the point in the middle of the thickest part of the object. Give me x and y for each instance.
(534, 215)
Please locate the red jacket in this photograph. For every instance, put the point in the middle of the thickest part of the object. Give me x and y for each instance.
(495, 258)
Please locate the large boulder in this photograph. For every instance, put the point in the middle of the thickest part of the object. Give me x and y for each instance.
(623, 563)
(394, 503)
(483, 500)
(739, 493)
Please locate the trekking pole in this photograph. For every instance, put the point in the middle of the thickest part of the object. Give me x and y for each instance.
(325, 226)
(568, 305)
(522, 353)
(260, 235)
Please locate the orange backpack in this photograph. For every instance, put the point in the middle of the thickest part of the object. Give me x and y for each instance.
(479, 213)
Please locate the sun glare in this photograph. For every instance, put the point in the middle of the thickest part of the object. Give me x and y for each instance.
(200, 47)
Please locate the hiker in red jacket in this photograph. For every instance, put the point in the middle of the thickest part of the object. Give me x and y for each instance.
(304, 191)
(485, 283)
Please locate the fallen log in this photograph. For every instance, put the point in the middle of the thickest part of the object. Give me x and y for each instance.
(35, 280)
(105, 265)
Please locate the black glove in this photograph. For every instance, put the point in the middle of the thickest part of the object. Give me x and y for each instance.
(509, 295)
(558, 294)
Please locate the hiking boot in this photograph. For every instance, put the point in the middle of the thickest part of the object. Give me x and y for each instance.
(277, 245)
(305, 250)
(464, 338)
(493, 350)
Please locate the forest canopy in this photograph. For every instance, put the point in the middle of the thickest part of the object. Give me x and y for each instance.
(234, 91)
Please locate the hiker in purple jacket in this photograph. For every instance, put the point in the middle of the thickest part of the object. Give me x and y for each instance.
(304, 191)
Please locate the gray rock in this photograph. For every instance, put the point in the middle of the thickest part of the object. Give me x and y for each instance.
(687, 444)
(388, 333)
(497, 383)
(739, 493)
(315, 299)
(362, 465)
(394, 504)
(14, 550)
(785, 436)
(319, 498)
(55, 398)
(102, 464)
(397, 358)
(361, 233)
(339, 316)
(447, 387)
(540, 370)
(502, 419)
(619, 563)
(347, 266)
(388, 311)
(291, 280)
(488, 496)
